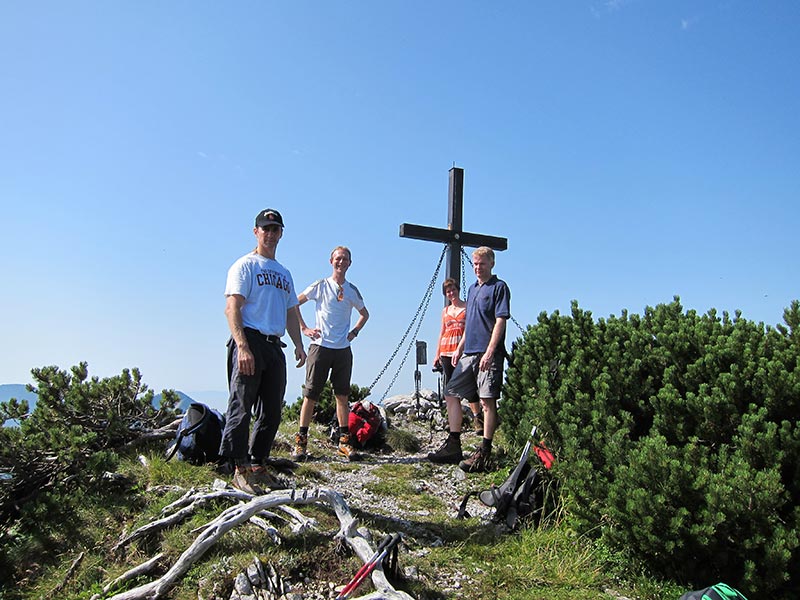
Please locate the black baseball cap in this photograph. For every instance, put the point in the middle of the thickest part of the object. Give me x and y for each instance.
(269, 216)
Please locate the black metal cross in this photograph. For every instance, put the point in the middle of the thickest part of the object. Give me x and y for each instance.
(454, 236)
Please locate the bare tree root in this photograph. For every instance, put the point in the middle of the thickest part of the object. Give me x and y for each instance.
(142, 569)
(235, 515)
(70, 572)
(186, 505)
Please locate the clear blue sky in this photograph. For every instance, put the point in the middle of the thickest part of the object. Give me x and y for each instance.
(629, 150)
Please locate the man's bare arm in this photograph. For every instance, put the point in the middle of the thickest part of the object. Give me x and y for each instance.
(293, 329)
(233, 312)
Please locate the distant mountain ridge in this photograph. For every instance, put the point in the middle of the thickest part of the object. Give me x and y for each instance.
(218, 400)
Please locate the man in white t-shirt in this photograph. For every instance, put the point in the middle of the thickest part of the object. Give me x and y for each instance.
(330, 352)
(261, 305)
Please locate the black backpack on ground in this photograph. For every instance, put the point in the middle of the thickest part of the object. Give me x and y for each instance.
(721, 591)
(199, 435)
(522, 493)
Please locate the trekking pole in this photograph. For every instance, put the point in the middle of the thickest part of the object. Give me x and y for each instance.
(384, 548)
(349, 587)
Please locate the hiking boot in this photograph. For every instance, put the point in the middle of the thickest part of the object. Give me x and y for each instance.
(264, 479)
(448, 453)
(300, 453)
(346, 449)
(477, 422)
(478, 462)
(244, 480)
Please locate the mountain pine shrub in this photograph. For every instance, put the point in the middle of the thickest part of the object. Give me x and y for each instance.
(677, 435)
(57, 461)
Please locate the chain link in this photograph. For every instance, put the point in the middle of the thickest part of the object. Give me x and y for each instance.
(521, 330)
(421, 309)
(464, 260)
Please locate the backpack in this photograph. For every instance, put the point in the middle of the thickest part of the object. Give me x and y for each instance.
(522, 493)
(721, 591)
(199, 435)
(365, 421)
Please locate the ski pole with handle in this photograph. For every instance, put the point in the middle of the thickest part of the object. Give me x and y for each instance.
(383, 549)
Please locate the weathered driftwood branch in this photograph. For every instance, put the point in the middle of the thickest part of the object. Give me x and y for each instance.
(240, 513)
(188, 503)
(268, 529)
(162, 433)
(142, 569)
(70, 572)
(298, 522)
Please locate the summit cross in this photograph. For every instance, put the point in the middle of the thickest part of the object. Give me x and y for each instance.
(454, 236)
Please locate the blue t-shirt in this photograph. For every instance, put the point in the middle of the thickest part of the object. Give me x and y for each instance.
(485, 303)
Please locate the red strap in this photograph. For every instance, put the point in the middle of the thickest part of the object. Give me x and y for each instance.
(544, 455)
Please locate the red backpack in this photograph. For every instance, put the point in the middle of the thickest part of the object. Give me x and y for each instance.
(365, 421)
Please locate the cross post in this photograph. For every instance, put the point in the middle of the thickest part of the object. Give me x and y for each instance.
(454, 236)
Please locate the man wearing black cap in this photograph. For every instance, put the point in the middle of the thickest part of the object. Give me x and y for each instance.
(261, 305)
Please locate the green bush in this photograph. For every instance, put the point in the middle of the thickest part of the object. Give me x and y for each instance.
(677, 436)
(57, 460)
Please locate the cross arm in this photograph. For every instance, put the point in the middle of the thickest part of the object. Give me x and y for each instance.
(447, 236)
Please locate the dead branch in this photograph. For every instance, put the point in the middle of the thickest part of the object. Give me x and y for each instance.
(166, 432)
(70, 573)
(268, 529)
(298, 522)
(189, 502)
(142, 569)
(235, 515)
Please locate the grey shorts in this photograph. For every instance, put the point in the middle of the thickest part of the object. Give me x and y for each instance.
(469, 382)
(321, 361)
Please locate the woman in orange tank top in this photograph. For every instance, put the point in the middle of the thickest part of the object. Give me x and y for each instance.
(454, 318)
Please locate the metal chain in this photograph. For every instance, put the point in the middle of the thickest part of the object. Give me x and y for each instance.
(410, 344)
(420, 309)
(464, 260)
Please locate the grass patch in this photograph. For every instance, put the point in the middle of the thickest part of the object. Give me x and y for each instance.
(175, 472)
(402, 440)
(401, 482)
(309, 471)
(344, 467)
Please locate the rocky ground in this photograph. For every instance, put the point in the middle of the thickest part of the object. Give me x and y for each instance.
(446, 482)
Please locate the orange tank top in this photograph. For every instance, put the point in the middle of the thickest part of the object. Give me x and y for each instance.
(453, 331)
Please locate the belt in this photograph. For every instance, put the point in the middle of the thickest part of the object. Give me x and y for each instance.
(272, 339)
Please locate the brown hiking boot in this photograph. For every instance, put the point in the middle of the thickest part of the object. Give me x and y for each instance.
(478, 462)
(346, 449)
(300, 447)
(264, 479)
(477, 422)
(448, 453)
(244, 480)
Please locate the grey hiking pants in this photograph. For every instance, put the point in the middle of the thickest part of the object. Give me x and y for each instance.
(259, 395)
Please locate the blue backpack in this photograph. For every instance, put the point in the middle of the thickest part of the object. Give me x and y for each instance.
(199, 435)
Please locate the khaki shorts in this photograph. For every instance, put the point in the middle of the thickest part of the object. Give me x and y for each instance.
(468, 381)
(321, 361)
